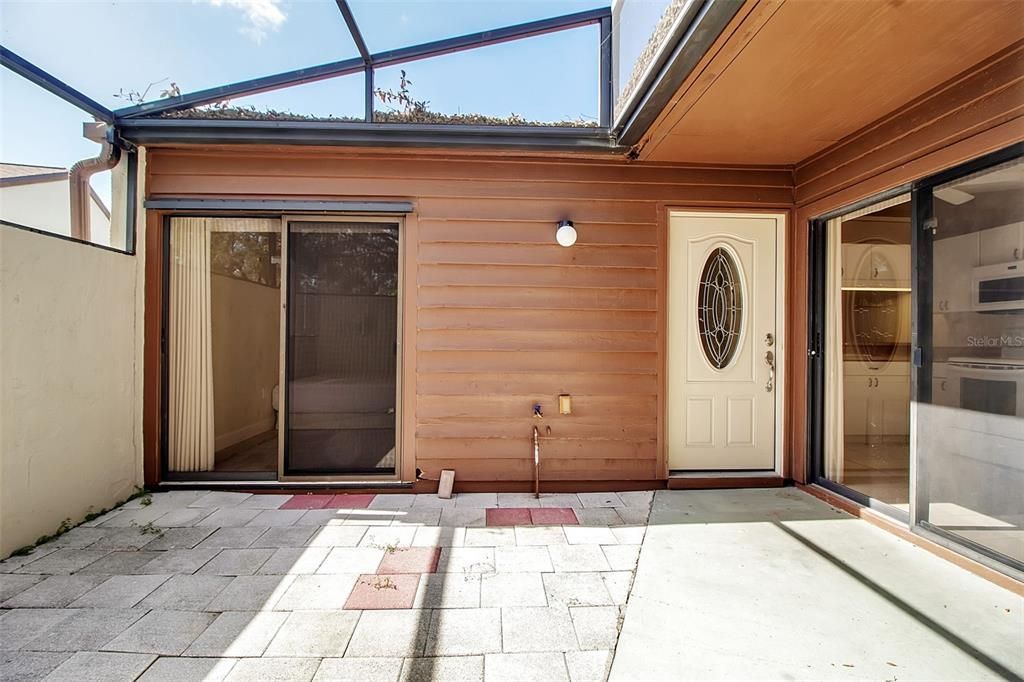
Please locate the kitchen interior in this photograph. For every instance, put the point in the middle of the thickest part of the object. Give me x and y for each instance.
(974, 467)
(876, 321)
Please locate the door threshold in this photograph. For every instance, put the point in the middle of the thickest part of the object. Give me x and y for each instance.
(721, 480)
(286, 485)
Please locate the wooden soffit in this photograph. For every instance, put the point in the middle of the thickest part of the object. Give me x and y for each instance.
(788, 78)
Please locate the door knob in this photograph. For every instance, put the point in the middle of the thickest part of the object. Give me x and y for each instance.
(769, 359)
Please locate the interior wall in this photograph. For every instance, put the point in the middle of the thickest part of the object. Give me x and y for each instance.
(246, 341)
(69, 442)
(498, 317)
(978, 112)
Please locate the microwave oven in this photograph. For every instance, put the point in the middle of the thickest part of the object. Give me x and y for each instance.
(998, 288)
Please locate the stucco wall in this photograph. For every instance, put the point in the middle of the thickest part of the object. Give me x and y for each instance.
(69, 436)
(246, 339)
(46, 206)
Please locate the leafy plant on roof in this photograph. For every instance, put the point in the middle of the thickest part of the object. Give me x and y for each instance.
(136, 97)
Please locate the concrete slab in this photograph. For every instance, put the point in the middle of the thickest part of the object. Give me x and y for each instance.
(85, 630)
(294, 561)
(273, 670)
(383, 592)
(22, 625)
(188, 669)
(12, 584)
(314, 634)
(447, 668)
(232, 538)
(464, 632)
(54, 592)
(523, 559)
(576, 589)
(534, 629)
(236, 562)
(238, 633)
(120, 591)
(352, 560)
(251, 593)
(449, 591)
(512, 589)
(874, 606)
(317, 592)
(597, 627)
(161, 632)
(359, 669)
(390, 633)
(29, 665)
(186, 592)
(548, 667)
(109, 667)
(588, 666)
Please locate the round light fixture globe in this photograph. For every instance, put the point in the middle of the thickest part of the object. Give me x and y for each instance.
(566, 233)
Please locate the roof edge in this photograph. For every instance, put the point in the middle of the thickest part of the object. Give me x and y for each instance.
(142, 131)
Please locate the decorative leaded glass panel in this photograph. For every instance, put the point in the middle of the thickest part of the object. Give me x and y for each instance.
(719, 308)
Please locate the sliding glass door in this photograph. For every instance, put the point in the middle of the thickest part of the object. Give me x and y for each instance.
(917, 356)
(222, 347)
(342, 343)
(970, 407)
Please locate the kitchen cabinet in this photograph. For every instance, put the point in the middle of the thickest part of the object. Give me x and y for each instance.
(876, 402)
(942, 393)
(1002, 244)
(953, 260)
(880, 266)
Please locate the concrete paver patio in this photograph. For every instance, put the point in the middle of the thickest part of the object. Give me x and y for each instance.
(765, 584)
(228, 586)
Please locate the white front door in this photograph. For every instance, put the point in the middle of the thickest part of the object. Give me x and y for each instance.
(722, 348)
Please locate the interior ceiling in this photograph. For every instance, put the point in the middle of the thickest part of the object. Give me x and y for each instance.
(818, 71)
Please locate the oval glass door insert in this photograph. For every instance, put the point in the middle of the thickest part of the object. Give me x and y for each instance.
(719, 308)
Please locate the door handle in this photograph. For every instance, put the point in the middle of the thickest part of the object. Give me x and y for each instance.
(769, 359)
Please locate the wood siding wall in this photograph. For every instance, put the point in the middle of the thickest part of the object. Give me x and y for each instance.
(503, 317)
(979, 111)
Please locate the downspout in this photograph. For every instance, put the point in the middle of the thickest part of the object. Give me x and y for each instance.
(79, 175)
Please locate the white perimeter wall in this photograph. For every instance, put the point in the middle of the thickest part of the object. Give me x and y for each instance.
(70, 396)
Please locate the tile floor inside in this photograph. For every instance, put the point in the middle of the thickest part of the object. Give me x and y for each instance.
(214, 586)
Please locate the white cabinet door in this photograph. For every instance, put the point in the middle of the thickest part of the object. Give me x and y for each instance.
(1001, 244)
(855, 405)
(856, 265)
(890, 265)
(953, 259)
(894, 394)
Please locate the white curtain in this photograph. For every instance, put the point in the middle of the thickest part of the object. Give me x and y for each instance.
(190, 410)
(191, 430)
(834, 429)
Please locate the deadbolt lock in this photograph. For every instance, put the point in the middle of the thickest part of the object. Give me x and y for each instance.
(769, 339)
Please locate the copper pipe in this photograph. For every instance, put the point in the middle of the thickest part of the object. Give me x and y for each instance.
(536, 463)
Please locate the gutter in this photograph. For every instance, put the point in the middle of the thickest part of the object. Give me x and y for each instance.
(78, 177)
(153, 131)
(693, 33)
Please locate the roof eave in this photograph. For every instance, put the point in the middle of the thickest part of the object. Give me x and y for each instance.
(142, 131)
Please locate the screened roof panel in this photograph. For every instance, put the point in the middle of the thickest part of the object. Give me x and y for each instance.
(491, 81)
(398, 23)
(102, 48)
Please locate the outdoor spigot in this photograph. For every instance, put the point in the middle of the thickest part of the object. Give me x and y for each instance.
(537, 411)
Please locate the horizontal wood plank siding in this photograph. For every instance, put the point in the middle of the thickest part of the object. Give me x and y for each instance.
(504, 317)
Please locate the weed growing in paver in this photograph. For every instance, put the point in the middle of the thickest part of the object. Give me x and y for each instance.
(383, 583)
(67, 524)
(146, 500)
(391, 548)
(148, 528)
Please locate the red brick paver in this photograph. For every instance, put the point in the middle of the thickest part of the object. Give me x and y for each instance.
(410, 560)
(554, 516)
(508, 516)
(307, 502)
(374, 592)
(349, 502)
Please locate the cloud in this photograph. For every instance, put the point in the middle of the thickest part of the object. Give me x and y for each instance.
(260, 16)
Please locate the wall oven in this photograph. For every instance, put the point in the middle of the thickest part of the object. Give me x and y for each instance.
(998, 287)
(991, 385)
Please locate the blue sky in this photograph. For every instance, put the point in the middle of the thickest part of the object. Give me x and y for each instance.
(101, 47)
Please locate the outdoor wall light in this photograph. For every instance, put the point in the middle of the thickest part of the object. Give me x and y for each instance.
(566, 233)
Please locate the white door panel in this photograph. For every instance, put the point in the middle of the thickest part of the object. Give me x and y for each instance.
(721, 410)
